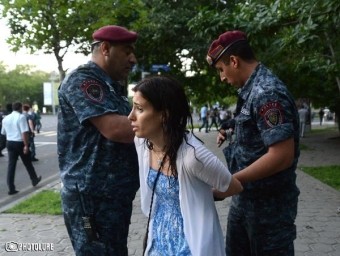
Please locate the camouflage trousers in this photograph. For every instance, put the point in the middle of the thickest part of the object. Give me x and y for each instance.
(262, 226)
(97, 225)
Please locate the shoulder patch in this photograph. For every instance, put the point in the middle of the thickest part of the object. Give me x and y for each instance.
(93, 90)
(272, 113)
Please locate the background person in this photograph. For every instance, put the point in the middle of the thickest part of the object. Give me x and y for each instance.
(2, 137)
(31, 125)
(177, 173)
(321, 115)
(263, 155)
(97, 158)
(15, 127)
(222, 115)
(214, 117)
(38, 121)
(204, 114)
(303, 114)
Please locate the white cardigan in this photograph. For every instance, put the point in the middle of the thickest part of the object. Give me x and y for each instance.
(202, 228)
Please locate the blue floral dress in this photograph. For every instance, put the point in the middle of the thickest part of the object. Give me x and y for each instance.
(168, 234)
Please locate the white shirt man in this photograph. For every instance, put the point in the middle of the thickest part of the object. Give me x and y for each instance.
(15, 127)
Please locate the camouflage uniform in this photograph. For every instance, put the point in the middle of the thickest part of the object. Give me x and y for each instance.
(261, 218)
(100, 177)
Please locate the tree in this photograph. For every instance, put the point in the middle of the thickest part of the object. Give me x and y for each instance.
(59, 26)
(168, 37)
(21, 84)
(297, 39)
(303, 36)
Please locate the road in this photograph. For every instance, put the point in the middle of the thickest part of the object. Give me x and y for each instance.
(47, 166)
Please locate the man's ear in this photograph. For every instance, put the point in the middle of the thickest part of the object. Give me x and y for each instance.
(105, 48)
(234, 61)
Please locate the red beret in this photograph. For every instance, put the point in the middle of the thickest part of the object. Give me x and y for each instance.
(222, 44)
(115, 34)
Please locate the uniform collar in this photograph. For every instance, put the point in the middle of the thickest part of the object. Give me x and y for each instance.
(113, 85)
(244, 91)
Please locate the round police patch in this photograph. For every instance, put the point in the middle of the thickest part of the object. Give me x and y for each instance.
(272, 113)
(93, 90)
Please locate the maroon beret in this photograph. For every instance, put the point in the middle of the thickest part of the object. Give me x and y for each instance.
(115, 34)
(222, 44)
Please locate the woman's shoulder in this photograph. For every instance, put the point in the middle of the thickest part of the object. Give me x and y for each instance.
(192, 146)
(192, 141)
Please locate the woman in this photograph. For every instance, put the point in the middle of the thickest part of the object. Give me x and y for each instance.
(177, 174)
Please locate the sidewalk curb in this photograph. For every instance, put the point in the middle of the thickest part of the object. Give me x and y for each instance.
(48, 184)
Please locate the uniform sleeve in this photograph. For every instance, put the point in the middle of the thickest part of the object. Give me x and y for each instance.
(88, 96)
(275, 114)
(207, 167)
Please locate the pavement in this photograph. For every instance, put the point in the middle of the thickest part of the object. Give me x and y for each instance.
(318, 220)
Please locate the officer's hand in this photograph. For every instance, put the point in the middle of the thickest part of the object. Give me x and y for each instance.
(221, 136)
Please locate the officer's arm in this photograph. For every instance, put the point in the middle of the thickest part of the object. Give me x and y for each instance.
(114, 127)
(279, 157)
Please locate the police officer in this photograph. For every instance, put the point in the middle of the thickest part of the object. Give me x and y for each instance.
(263, 155)
(97, 158)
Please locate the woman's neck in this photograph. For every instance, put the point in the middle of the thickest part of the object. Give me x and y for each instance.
(158, 148)
(158, 144)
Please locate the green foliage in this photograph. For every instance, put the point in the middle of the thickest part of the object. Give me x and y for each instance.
(304, 147)
(172, 35)
(60, 26)
(21, 84)
(298, 39)
(326, 174)
(44, 202)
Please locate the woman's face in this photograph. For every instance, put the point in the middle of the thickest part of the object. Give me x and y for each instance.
(145, 120)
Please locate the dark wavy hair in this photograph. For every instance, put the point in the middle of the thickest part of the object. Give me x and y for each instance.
(167, 95)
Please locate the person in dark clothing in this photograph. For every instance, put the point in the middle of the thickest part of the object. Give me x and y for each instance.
(321, 115)
(31, 125)
(97, 157)
(263, 154)
(214, 117)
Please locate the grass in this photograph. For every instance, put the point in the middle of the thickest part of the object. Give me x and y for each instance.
(323, 130)
(329, 175)
(44, 202)
(304, 147)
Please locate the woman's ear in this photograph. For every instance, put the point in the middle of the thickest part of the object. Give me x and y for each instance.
(164, 117)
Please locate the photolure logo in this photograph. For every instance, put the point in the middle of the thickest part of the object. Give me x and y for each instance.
(28, 247)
